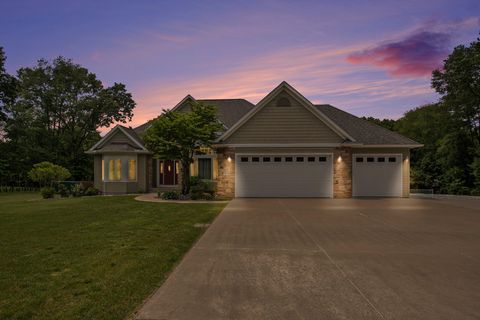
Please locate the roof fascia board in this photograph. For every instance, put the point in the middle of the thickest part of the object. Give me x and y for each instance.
(280, 145)
(409, 146)
(117, 152)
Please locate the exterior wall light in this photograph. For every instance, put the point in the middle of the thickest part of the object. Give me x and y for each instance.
(339, 159)
(229, 159)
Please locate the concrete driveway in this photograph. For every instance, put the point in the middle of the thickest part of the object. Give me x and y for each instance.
(330, 259)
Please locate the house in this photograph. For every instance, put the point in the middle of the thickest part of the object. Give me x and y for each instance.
(284, 146)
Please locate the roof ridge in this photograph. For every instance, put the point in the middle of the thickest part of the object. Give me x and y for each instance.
(224, 99)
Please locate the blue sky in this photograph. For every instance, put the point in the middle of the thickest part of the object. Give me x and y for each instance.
(370, 58)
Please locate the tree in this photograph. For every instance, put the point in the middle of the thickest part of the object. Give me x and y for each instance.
(46, 173)
(459, 84)
(7, 87)
(176, 135)
(58, 108)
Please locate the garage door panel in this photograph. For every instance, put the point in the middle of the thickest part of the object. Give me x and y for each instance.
(377, 178)
(284, 179)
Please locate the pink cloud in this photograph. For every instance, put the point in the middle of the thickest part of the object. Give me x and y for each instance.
(416, 55)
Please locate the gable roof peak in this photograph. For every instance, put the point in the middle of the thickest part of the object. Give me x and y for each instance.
(303, 101)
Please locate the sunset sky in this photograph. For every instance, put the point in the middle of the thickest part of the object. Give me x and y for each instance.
(370, 58)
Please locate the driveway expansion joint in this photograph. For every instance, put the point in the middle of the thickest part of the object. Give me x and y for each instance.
(324, 251)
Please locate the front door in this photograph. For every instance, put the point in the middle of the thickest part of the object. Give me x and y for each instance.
(168, 172)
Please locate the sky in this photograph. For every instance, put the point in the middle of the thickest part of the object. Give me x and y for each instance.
(370, 58)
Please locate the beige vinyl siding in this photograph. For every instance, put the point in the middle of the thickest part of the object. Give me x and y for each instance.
(142, 174)
(185, 107)
(405, 163)
(294, 124)
(97, 172)
(119, 137)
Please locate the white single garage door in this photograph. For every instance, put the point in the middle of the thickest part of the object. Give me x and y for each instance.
(377, 175)
(284, 175)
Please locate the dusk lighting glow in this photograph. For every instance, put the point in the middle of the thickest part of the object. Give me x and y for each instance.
(371, 58)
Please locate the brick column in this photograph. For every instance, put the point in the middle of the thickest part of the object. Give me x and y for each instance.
(342, 173)
(226, 172)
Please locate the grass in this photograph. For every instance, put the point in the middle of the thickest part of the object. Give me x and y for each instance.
(89, 258)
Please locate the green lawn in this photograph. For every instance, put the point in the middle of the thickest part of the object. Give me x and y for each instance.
(89, 258)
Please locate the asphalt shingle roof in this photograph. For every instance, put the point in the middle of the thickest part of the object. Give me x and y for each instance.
(229, 111)
(362, 130)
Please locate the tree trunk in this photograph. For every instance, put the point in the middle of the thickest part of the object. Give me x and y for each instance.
(185, 178)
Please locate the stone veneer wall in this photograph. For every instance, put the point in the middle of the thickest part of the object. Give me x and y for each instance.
(226, 172)
(342, 173)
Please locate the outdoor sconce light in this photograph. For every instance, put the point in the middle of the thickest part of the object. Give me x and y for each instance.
(229, 159)
(339, 159)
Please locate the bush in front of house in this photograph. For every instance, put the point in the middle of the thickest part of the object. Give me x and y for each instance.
(169, 195)
(47, 192)
(203, 189)
(91, 191)
(77, 190)
(46, 173)
(63, 191)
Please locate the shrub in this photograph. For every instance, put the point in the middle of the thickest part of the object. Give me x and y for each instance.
(208, 196)
(47, 192)
(46, 173)
(184, 197)
(77, 190)
(91, 191)
(204, 189)
(194, 180)
(195, 196)
(63, 191)
(202, 196)
(170, 195)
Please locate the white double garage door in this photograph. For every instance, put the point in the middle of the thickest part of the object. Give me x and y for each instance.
(311, 175)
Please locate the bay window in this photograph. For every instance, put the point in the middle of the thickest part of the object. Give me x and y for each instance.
(119, 168)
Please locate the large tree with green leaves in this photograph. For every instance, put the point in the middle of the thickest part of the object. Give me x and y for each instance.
(459, 84)
(58, 108)
(178, 135)
(7, 87)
